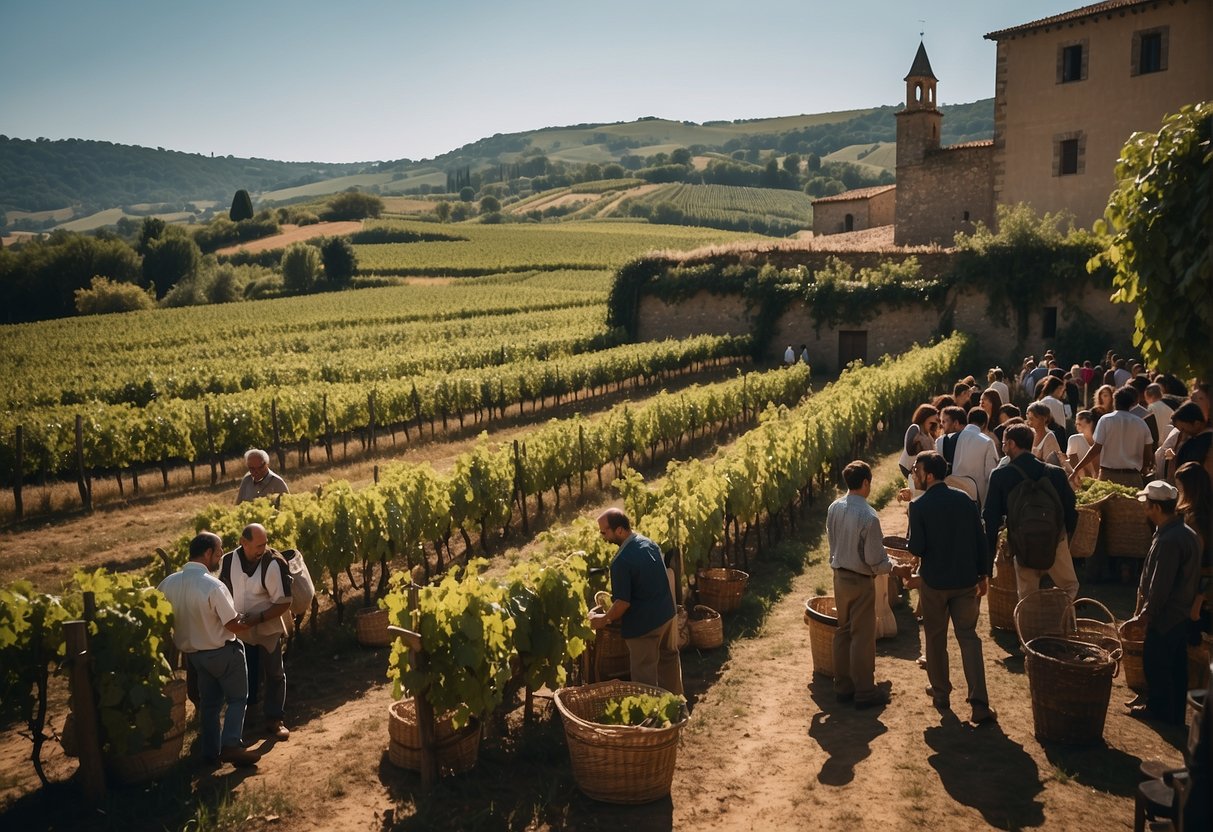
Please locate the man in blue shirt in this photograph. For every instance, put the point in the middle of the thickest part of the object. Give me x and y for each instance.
(643, 604)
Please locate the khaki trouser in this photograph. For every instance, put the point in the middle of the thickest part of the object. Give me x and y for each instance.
(1027, 580)
(855, 638)
(652, 661)
(1131, 478)
(961, 606)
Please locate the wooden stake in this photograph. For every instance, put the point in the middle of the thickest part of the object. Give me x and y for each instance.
(18, 470)
(86, 493)
(88, 740)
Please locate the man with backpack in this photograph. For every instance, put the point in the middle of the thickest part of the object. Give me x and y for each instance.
(259, 580)
(1038, 504)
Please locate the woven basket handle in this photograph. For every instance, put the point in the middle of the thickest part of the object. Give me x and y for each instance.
(1092, 602)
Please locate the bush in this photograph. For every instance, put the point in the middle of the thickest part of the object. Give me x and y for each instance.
(490, 205)
(270, 286)
(105, 296)
(352, 205)
(172, 258)
(467, 193)
(300, 268)
(340, 262)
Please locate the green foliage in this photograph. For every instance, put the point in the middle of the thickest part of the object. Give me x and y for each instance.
(222, 232)
(489, 205)
(352, 205)
(645, 710)
(546, 599)
(340, 263)
(301, 267)
(467, 193)
(39, 280)
(1159, 240)
(105, 296)
(170, 259)
(1094, 490)
(242, 207)
(443, 211)
(1027, 261)
(467, 635)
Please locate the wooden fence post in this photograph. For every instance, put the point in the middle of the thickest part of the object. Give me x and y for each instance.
(370, 406)
(277, 435)
(328, 427)
(18, 470)
(519, 490)
(422, 706)
(82, 480)
(88, 740)
(210, 443)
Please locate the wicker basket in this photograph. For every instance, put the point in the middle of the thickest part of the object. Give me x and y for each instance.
(706, 628)
(370, 626)
(1098, 631)
(1132, 642)
(898, 549)
(1195, 703)
(1045, 612)
(1004, 569)
(822, 617)
(682, 623)
(1071, 683)
(1002, 607)
(721, 589)
(1127, 533)
(457, 750)
(1086, 533)
(616, 763)
(131, 769)
(608, 653)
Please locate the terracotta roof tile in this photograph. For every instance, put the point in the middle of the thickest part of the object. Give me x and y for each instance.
(1066, 17)
(967, 145)
(858, 193)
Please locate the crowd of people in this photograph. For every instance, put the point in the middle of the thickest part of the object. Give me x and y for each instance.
(1010, 456)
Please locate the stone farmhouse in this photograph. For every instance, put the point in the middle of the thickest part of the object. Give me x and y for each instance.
(1069, 90)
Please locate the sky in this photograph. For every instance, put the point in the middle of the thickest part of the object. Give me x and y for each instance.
(375, 80)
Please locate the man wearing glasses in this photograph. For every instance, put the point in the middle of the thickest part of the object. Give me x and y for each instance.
(260, 481)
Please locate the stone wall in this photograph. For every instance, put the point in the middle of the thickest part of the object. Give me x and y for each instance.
(950, 191)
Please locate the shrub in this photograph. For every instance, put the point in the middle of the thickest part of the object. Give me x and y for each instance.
(340, 262)
(300, 268)
(352, 205)
(105, 296)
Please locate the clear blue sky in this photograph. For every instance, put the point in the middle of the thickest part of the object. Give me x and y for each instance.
(365, 80)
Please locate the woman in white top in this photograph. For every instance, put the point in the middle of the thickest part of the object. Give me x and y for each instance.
(1049, 396)
(1080, 442)
(1044, 446)
(994, 378)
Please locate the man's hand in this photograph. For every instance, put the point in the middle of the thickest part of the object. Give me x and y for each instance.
(598, 620)
(904, 495)
(983, 586)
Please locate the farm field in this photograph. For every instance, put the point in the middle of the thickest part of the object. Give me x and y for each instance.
(878, 156)
(760, 751)
(727, 206)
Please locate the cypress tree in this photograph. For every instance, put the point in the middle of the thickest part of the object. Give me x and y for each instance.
(242, 207)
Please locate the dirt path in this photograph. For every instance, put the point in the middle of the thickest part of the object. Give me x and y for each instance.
(295, 234)
(763, 751)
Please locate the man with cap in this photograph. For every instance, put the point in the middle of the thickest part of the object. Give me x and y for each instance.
(1169, 581)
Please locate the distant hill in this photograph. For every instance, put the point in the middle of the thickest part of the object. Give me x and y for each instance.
(45, 183)
(44, 175)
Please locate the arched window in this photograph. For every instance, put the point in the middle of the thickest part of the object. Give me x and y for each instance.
(918, 92)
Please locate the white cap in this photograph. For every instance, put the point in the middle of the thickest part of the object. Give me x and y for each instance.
(1159, 491)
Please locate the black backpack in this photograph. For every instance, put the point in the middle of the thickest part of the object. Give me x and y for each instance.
(949, 448)
(225, 570)
(1035, 521)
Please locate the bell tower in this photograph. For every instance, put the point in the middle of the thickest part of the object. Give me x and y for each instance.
(919, 123)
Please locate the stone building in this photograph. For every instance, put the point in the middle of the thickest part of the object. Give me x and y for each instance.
(1069, 90)
(854, 210)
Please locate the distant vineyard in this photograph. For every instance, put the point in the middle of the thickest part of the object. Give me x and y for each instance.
(761, 210)
(492, 249)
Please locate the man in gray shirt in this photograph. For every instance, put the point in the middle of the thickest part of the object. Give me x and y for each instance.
(260, 481)
(857, 556)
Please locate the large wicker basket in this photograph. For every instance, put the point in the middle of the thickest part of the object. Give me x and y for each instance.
(1004, 593)
(1086, 533)
(706, 628)
(721, 589)
(1071, 683)
(146, 765)
(1127, 533)
(822, 617)
(1100, 631)
(1045, 612)
(370, 626)
(1198, 663)
(617, 763)
(1004, 567)
(457, 750)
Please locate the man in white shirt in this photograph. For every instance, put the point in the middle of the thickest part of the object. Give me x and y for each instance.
(205, 624)
(974, 455)
(260, 583)
(1123, 446)
(999, 386)
(1161, 410)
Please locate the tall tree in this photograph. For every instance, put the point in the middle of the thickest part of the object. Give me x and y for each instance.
(242, 207)
(1159, 240)
(340, 262)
